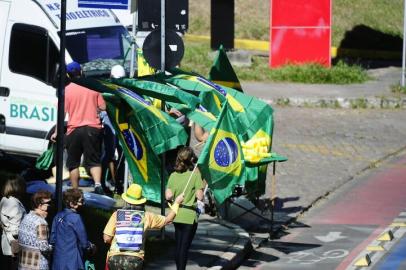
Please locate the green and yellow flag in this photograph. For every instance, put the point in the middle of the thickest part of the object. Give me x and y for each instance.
(221, 161)
(222, 71)
(200, 115)
(143, 163)
(143, 69)
(159, 91)
(211, 98)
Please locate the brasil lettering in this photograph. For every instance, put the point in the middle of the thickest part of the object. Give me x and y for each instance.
(22, 111)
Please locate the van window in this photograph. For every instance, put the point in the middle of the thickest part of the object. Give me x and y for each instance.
(32, 52)
(86, 45)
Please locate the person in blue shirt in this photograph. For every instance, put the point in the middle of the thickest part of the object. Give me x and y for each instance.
(68, 234)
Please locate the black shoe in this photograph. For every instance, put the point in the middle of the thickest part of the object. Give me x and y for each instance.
(99, 190)
(108, 192)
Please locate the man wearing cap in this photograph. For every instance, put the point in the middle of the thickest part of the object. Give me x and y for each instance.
(125, 230)
(84, 129)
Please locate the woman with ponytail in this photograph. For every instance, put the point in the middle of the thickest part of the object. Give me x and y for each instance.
(186, 179)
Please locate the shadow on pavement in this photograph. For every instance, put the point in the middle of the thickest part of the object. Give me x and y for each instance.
(289, 247)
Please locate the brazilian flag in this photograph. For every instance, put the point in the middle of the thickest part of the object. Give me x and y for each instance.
(222, 71)
(199, 115)
(160, 91)
(256, 120)
(221, 160)
(211, 96)
(142, 161)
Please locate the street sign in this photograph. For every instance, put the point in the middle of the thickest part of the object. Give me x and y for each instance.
(176, 14)
(109, 4)
(174, 49)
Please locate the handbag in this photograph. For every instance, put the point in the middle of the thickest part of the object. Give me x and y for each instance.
(15, 246)
(46, 159)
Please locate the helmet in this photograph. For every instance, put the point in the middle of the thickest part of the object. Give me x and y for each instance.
(117, 72)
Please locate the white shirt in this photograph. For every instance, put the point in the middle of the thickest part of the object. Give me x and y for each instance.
(12, 212)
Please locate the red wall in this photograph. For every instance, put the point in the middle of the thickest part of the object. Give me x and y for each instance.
(300, 32)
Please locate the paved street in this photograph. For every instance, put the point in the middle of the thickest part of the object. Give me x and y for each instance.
(340, 230)
(327, 147)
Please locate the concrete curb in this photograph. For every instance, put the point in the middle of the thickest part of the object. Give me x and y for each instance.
(263, 45)
(341, 102)
(236, 253)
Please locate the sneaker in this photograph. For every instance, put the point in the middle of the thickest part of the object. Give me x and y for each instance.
(108, 192)
(99, 190)
(109, 185)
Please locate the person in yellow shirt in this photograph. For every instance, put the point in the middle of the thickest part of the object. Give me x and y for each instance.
(125, 230)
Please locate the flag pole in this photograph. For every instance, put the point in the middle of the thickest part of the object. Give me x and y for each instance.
(133, 43)
(190, 177)
(273, 187)
(163, 168)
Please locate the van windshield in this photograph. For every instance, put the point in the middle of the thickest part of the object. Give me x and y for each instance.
(98, 49)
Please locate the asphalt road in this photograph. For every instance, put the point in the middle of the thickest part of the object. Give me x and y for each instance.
(338, 231)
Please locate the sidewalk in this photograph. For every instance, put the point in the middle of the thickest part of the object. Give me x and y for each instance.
(218, 244)
(372, 94)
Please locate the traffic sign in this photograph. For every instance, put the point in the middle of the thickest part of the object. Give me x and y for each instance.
(176, 14)
(109, 4)
(174, 49)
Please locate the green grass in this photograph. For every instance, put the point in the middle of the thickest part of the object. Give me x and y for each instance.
(397, 88)
(357, 24)
(252, 17)
(385, 16)
(196, 59)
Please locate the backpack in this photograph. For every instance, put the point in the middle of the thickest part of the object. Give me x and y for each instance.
(129, 229)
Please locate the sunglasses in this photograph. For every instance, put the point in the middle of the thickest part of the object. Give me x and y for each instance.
(47, 203)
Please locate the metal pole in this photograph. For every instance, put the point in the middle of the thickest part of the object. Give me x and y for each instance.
(163, 35)
(402, 81)
(61, 109)
(273, 187)
(126, 173)
(134, 33)
(163, 168)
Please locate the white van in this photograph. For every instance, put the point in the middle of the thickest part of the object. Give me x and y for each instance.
(29, 54)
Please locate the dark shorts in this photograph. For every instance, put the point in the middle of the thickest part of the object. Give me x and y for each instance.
(87, 141)
(125, 262)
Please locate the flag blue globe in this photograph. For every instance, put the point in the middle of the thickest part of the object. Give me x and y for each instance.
(133, 144)
(225, 152)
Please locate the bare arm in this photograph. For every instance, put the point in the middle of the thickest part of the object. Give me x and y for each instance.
(174, 209)
(107, 238)
(200, 134)
(199, 194)
(168, 194)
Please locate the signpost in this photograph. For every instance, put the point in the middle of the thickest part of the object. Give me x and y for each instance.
(402, 79)
(61, 109)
